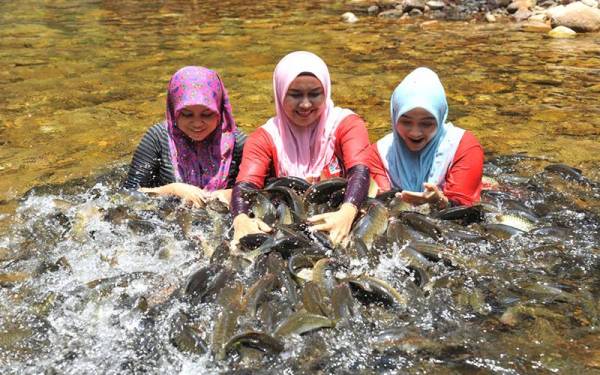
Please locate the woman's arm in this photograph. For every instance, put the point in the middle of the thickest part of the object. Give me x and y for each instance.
(353, 141)
(146, 163)
(463, 180)
(257, 159)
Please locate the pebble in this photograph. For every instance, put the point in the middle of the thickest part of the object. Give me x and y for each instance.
(435, 5)
(392, 13)
(490, 17)
(373, 9)
(562, 32)
(349, 17)
(540, 17)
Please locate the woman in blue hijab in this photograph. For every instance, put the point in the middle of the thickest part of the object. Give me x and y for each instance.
(429, 159)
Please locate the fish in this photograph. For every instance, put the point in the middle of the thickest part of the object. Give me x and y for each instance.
(372, 224)
(313, 300)
(369, 289)
(297, 184)
(322, 191)
(257, 293)
(422, 224)
(230, 300)
(342, 302)
(185, 336)
(301, 322)
(464, 214)
(516, 222)
(253, 339)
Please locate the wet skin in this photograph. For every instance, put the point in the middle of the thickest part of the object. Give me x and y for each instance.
(197, 121)
(416, 128)
(304, 101)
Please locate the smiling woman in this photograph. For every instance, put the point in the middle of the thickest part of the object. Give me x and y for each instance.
(309, 138)
(430, 160)
(195, 153)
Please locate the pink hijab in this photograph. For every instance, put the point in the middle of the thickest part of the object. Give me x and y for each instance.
(204, 163)
(303, 151)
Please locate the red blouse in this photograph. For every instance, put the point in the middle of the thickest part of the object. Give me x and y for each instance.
(260, 155)
(463, 179)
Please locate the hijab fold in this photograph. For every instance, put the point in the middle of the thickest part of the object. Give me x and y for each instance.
(407, 169)
(201, 163)
(303, 151)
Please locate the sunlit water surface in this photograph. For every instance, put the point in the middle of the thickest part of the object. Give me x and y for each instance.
(83, 81)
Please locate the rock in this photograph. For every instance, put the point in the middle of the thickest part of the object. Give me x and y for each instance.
(490, 17)
(539, 17)
(520, 4)
(435, 5)
(535, 27)
(522, 15)
(373, 9)
(547, 3)
(413, 4)
(349, 17)
(429, 24)
(590, 3)
(415, 12)
(392, 13)
(576, 16)
(562, 32)
(503, 3)
(388, 3)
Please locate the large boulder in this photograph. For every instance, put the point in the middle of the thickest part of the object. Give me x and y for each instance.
(576, 16)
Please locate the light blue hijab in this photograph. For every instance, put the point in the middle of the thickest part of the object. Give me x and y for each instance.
(420, 89)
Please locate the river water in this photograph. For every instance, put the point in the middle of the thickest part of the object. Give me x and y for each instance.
(83, 80)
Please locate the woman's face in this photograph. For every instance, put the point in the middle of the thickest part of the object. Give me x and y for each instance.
(197, 121)
(304, 101)
(416, 127)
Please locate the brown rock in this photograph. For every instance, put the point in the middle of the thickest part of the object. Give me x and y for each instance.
(392, 13)
(535, 27)
(576, 16)
(522, 15)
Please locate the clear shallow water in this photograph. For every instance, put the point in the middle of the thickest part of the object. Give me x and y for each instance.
(85, 80)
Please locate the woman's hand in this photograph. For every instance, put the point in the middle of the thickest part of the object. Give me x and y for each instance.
(190, 194)
(244, 225)
(221, 195)
(337, 223)
(432, 195)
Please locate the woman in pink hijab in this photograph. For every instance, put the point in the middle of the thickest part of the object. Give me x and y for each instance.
(310, 138)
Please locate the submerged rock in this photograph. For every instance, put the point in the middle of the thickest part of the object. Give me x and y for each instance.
(535, 27)
(349, 17)
(490, 17)
(392, 13)
(562, 32)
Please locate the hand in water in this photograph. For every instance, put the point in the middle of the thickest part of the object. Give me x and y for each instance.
(189, 194)
(244, 225)
(432, 195)
(222, 195)
(337, 223)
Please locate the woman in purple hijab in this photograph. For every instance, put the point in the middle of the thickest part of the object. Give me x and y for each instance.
(195, 153)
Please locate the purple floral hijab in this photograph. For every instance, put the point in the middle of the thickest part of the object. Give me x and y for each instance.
(201, 163)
